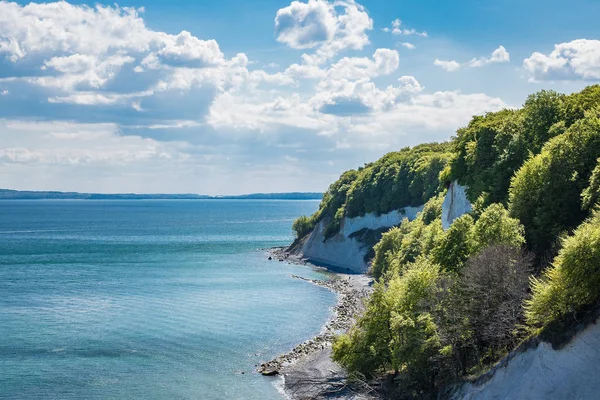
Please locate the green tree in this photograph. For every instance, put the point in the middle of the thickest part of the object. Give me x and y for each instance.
(303, 226)
(541, 110)
(591, 194)
(573, 280)
(456, 244)
(545, 194)
(495, 226)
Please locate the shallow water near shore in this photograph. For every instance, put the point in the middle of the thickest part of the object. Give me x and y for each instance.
(149, 299)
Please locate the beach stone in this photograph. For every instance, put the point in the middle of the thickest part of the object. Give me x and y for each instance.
(270, 372)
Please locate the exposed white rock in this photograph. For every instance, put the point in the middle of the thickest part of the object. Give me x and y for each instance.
(345, 252)
(571, 372)
(373, 221)
(455, 204)
(339, 251)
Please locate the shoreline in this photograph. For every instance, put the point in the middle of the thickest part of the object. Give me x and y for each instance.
(307, 370)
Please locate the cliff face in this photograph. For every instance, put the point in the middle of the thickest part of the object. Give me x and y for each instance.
(455, 204)
(344, 250)
(540, 372)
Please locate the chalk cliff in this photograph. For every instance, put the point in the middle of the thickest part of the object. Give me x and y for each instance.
(455, 204)
(345, 250)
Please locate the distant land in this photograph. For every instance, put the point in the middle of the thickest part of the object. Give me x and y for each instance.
(6, 194)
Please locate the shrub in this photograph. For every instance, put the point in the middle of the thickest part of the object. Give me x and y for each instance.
(303, 226)
(573, 280)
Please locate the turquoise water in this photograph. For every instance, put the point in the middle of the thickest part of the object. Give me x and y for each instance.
(149, 299)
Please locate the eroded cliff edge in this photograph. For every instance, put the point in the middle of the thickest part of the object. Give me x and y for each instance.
(350, 249)
(539, 370)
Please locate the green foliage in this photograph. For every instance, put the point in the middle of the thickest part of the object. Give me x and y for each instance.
(405, 178)
(545, 194)
(396, 331)
(487, 152)
(402, 245)
(541, 111)
(575, 105)
(303, 226)
(448, 303)
(495, 226)
(573, 280)
(591, 195)
(408, 177)
(456, 245)
(493, 147)
(385, 250)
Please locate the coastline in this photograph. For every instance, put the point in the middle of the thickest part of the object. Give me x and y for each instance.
(307, 371)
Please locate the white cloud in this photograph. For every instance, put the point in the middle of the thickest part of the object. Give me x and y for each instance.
(385, 61)
(305, 25)
(575, 60)
(180, 113)
(83, 50)
(69, 144)
(500, 55)
(447, 65)
(408, 45)
(4, 92)
(329, 27)
(397, 29)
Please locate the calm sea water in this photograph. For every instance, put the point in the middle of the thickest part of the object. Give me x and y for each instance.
(149, 299)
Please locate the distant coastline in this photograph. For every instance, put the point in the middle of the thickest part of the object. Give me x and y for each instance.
(7, 194)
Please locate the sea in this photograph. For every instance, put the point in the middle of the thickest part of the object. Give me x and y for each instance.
(150, 299)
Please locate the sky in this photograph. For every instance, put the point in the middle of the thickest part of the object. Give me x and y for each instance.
(237, 96)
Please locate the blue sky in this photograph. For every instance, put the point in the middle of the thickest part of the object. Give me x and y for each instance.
(238, 96)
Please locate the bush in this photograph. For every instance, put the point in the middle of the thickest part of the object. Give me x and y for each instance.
(573, 280)
(303, 226)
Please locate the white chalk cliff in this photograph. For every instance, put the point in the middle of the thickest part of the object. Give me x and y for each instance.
(346, 252)
(455, 204)
(572, 372)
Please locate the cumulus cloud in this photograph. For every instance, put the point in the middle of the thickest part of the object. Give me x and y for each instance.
(154, 111)
(575, 60)
(88, 55)
(500, 55)
(305, 25)
(447, 65)
(398, 29)
(408, 45)
(330, 27)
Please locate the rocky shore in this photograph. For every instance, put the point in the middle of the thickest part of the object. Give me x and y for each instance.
(308, 370)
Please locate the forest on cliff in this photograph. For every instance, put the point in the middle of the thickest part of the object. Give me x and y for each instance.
(447, 304)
